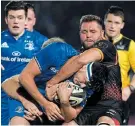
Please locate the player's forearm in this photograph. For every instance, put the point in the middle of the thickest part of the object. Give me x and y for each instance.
(75, 64)
(70, 67)
(68, 111)
(10, 86)
(28, 83)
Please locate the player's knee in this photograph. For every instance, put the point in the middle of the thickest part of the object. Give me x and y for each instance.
(105, 121)
(18, 121)
(70, 123)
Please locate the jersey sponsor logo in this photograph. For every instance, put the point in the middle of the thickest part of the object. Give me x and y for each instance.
(15, 59)
(29, 46)
(16, 53)
(4, 45)
(19, 109)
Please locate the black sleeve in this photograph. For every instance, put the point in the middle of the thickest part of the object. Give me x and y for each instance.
(108, 50)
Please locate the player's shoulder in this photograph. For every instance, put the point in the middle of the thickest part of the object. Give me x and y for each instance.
(39, 35)
(5, 33)
(103, 44)
(127, 38)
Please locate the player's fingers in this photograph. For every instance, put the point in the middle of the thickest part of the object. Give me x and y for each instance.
(29, 117)
(50, 118)
(58, 114)
(53, 118)
(35, 111)
(28, 112)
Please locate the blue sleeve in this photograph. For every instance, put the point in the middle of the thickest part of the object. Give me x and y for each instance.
(40, 37)
(55, 54)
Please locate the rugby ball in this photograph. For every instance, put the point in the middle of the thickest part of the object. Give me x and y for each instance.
(77, 96)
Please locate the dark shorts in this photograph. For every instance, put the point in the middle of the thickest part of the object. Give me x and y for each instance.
(90, 114)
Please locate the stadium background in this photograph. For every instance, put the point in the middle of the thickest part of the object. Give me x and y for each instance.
(62, 19)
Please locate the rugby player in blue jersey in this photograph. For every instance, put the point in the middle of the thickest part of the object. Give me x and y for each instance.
(18, 46)
(44, 66)
(31, 20)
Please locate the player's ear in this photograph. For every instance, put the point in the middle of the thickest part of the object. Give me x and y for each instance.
(34, 21)
(103, 34)
(122, 25)
(6, 20)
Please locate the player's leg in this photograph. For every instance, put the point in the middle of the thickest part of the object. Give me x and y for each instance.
(110, 117)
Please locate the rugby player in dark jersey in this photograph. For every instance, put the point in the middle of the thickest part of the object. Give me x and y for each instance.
(107, 109)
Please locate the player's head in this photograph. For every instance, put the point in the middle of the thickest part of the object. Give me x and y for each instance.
(83, 75)
(52, 40)
(91, 30)
(94, 73)
(114, 21)
(31, 17)
(15, 17)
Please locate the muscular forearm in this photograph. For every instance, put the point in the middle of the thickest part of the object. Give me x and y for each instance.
(73, 65)
(66, 71)
(28, 83)
(10, 86)
(68, 112)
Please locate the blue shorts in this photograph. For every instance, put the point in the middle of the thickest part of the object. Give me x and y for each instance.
(4, 108)
(16, 107)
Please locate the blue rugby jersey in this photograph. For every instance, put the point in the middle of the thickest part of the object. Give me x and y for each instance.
(51, 59)
(15, 54)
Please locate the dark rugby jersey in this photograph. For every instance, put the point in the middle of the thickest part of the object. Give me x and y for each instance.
(111, 89)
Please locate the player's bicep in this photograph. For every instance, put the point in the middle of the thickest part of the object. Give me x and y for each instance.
(90, 55)
(107, 51)
(45, 58)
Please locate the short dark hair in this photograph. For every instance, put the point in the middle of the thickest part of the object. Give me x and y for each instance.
(117, 11)
(90, 18)
(31, 6)
(15, 5)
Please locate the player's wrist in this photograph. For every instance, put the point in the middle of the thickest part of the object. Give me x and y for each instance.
(132, 88)
(64, 103)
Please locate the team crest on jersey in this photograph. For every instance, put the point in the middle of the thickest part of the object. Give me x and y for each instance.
(19, 109)
(4, 45)
(29, 46)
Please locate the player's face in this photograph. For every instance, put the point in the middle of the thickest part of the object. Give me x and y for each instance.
(31, 20)
(113, 25)
(90, 32)
(80, 77)
(16, 21)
